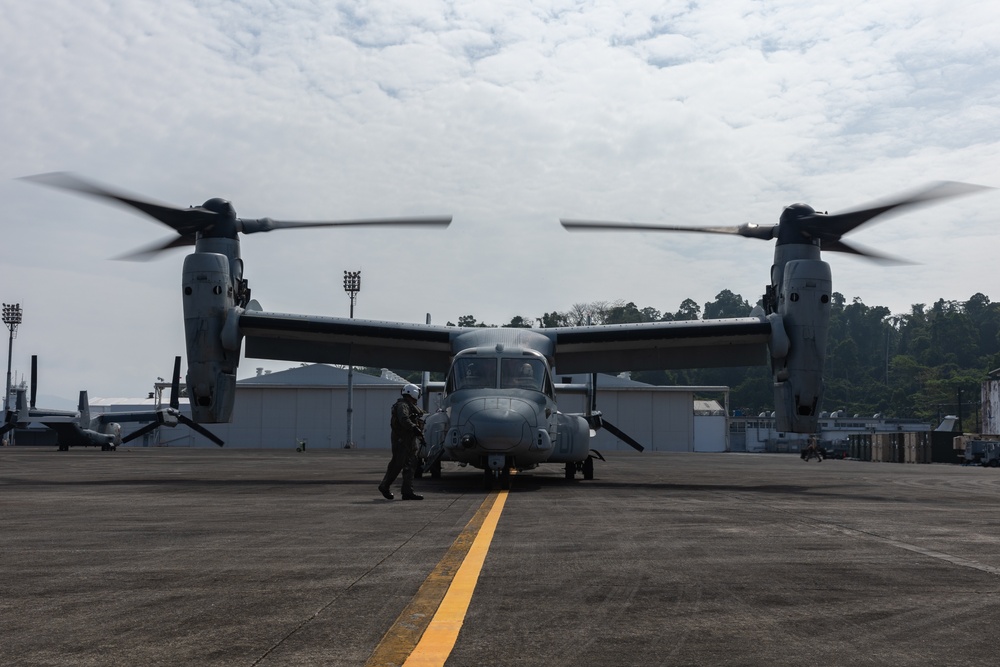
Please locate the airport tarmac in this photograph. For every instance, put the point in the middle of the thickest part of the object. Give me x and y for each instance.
(250, 557)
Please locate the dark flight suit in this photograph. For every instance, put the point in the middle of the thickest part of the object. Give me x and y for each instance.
(406, 423)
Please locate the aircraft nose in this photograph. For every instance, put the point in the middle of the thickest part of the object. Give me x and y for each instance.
(500, 424)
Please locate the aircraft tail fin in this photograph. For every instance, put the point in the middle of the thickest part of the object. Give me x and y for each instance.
(34, 380)
(84, 408)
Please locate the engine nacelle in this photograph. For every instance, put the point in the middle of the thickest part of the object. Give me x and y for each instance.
(212, 360)
(572, 442)
(804, 307)
(114, 432)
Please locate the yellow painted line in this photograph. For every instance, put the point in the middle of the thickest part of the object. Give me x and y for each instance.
(398, 643)
(439, 639)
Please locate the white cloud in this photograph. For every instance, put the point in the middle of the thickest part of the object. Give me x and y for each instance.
(507, 115)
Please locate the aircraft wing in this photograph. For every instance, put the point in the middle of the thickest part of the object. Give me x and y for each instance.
(138, 416)
(44, 415)
(661, 345)
(337, 340)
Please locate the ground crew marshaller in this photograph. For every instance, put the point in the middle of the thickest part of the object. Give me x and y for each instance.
(407, 430)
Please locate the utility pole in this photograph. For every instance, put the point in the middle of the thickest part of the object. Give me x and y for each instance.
(352, 285)
(960, 429)
(11, 318)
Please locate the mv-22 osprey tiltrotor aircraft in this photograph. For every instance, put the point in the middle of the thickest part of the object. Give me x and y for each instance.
(499, 408)
(78, 429)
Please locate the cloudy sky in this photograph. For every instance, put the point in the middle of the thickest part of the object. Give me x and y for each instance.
(506, 115)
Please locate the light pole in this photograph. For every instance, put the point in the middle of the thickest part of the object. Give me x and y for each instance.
(11, 318)
(352, 285)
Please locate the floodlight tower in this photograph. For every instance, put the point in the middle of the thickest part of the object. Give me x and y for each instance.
(11, 318)
(352, 285)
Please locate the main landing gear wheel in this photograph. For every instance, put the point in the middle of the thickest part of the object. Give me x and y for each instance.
(586, 467)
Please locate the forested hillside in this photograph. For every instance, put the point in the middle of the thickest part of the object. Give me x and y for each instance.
(916, 364)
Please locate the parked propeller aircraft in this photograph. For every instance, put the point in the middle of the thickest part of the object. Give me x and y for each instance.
(494, 416)
(79, 429)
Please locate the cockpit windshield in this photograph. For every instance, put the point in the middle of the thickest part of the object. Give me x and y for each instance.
(521, 373)
(515, 373)
(474, 373)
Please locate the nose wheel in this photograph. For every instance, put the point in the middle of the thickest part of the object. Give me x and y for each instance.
(496, 479)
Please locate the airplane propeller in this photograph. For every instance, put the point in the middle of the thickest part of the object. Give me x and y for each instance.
(11, 415)
(9, 422)
(173, 412)
(216, 218)
(800, 223)
(597, 421)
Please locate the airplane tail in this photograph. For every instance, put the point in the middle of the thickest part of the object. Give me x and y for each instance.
(34, 380)
(84, 408)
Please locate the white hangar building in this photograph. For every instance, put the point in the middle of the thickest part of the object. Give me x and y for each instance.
(309, 403)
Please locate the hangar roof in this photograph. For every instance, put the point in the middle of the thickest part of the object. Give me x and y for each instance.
(316, 375)
(603, 380)
(606, 381)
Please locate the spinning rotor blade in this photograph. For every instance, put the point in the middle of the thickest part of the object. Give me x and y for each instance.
(800, 222)
(143, 254)
(182, 220)
(855, 249)
(832, 227)
(267, 224)
(216, 218)
(748, 230)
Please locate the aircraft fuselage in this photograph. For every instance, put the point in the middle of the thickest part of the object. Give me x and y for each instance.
(499, 412)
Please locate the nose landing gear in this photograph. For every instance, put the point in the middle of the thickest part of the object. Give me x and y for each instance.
(497, 472)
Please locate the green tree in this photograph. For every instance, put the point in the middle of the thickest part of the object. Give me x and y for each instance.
(689, 310)
(727, 304)
(469, 321)
(629, 313)
(553, 319)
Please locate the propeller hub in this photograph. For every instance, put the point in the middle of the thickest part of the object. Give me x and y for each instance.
(220, 206)
(795, 225)
(224, 225)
